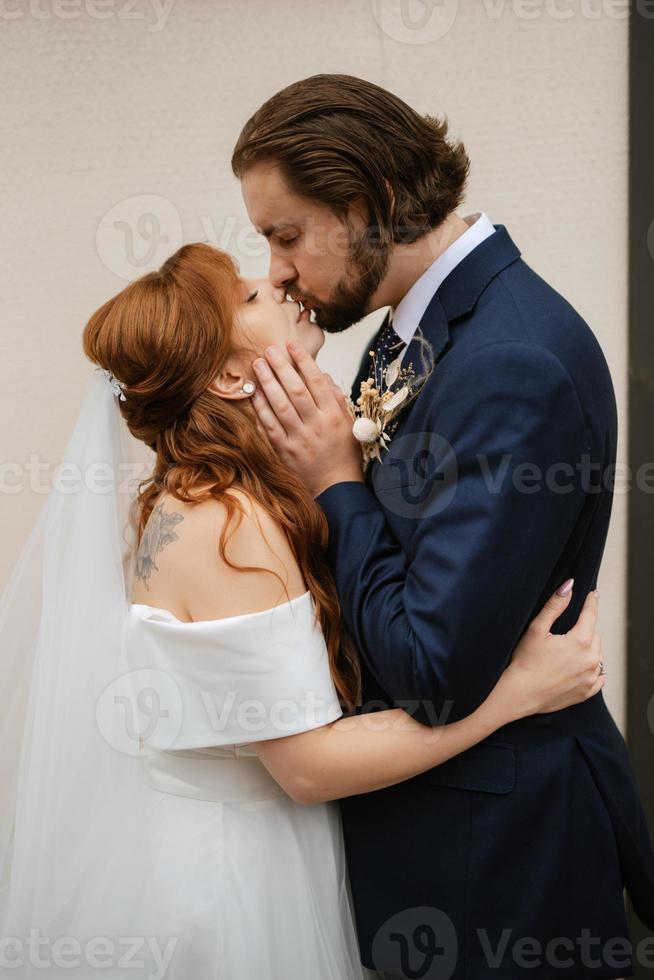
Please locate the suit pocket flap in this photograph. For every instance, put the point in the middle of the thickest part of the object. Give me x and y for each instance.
(486, 768)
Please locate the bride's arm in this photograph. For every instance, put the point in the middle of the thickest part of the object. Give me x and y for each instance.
(362, 753)
(366, 752)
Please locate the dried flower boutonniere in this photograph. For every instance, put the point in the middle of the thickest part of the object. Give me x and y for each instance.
(377, 408)
(384, 396)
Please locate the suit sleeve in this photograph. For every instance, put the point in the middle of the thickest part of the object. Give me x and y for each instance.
(437, 616)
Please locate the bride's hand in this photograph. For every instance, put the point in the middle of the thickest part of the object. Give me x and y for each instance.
(550, 672)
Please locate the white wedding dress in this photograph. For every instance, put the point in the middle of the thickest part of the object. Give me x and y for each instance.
(162, 849)
(247, 884)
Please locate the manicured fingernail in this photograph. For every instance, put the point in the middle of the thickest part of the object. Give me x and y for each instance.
(260, 366)
(293, 345)
(273, 352)
(566, 588)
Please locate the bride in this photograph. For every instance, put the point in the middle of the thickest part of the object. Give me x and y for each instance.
(179, 711)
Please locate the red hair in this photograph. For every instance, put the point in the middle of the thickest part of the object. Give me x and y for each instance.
(166, 336)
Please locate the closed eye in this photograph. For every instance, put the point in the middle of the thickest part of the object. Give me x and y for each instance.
(253, 295)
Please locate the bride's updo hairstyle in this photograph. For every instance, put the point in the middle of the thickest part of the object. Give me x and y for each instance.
(166, 337)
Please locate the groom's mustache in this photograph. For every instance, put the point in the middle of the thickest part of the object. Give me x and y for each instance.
(306, 301)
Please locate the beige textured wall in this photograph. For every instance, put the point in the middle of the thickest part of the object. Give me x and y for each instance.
(116, 128)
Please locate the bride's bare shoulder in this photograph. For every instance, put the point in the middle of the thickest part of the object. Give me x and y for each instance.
(248, 523)
(180, 558)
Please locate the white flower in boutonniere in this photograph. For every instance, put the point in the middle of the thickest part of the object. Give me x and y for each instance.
(366, 430)
(377, 407)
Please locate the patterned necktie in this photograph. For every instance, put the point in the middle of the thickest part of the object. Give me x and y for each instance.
(389, 346)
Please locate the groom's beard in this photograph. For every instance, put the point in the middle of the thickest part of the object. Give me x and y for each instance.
(350, 300)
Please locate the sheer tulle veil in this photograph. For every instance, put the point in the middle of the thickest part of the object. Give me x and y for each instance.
(74, 809)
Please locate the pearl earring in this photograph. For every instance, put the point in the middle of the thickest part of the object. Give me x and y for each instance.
(248, 388)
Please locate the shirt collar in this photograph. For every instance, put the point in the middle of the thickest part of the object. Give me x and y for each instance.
(409, 311)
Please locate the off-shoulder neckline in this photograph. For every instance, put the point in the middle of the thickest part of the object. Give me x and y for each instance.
(225, 619)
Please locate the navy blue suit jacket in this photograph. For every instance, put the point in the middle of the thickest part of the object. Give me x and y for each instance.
(497, 487)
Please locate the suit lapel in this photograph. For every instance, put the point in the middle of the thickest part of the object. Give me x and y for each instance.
(456, 297)
(434, 328)
(458, 294)
(461, 290)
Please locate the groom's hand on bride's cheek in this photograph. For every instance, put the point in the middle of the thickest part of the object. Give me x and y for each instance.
(307, 418)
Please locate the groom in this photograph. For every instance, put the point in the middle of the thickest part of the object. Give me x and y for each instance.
(496, 487)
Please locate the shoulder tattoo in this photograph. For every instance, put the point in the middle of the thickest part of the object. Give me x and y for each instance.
(159, 531)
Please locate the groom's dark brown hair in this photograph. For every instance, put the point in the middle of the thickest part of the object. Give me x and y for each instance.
(337, 138)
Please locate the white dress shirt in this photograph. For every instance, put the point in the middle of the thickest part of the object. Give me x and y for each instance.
(410, 310)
